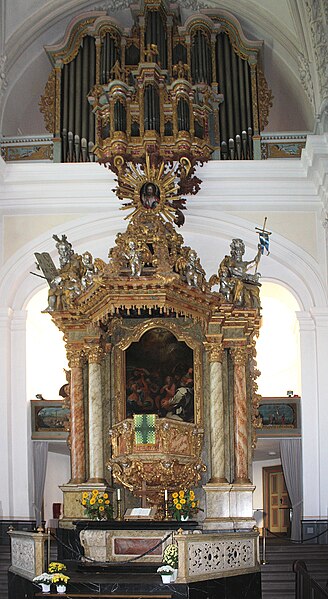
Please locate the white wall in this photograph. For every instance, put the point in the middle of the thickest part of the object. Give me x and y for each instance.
(58, 472)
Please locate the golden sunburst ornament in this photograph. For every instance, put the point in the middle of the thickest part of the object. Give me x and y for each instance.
(152, 189)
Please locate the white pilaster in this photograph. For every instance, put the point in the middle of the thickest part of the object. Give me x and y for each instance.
(20, 420)
(320, 316)
(6, 505)
(310, 416)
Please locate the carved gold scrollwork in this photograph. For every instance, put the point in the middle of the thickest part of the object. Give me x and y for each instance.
(47, 102)
(265, 98)
(175, 460)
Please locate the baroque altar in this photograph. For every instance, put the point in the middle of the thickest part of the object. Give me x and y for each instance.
(162, 367)
(162, 380)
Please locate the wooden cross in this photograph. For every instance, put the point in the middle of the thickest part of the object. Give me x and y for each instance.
(143, 494)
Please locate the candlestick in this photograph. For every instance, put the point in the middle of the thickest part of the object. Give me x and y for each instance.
(263, 545)
(119, 505)
(166, 506)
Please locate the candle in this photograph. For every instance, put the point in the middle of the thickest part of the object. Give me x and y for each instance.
(118, 494)
(165, 495)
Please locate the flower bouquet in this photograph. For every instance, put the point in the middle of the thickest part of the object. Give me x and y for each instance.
(44, 580)
(166, 573)
(183, 504)
(60, 580)
(56, 567)
(170, 555)
(97, 506)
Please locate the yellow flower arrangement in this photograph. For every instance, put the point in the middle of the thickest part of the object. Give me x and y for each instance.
(183, 504)
(60, 579)
(56, 567)
(97, 505)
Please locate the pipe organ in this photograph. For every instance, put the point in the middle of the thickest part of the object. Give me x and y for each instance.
(196, 85)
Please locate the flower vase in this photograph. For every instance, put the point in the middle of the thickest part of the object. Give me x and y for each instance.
(45, 587)
(166, 578)
(184, 518)
(174, 575)
(61, 588)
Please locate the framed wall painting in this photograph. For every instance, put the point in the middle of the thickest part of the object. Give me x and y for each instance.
(50, 419)
(279, 416)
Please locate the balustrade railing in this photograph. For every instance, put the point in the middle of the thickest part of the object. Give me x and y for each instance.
(305, 586)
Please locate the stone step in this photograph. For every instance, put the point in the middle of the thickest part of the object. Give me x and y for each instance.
(277, 576)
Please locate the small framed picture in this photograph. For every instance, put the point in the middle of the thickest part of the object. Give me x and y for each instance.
(50, 419)
(279, 416)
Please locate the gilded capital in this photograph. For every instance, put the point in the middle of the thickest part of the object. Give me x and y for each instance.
(75, 358)
(95, 354)
(215, 352)
(239, 355)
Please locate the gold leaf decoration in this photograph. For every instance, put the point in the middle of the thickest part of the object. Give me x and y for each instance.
(48, 101)
(265, 98)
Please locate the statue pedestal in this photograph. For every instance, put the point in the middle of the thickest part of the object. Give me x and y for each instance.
(229, 507)
(72, 497)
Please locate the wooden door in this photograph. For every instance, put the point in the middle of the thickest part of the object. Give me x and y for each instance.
(276, 501)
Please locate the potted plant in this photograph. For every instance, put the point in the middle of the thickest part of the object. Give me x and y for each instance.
(171, 558)
(44, 580)
(60, 580)
(97, 505)
(166, 573)
(183, 504)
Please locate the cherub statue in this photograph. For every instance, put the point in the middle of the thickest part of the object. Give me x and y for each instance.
(151, 52)
(134, 256)
(192, 269)
(181, 70)
(89, 270)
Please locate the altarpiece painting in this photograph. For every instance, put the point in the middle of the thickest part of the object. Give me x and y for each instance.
(160, 376)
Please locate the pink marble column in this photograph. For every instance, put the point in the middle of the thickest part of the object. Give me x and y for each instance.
(96, 448)
(216, 415)
(78, 473)
(239, 356)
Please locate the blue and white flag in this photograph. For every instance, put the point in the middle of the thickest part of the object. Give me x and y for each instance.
(264, 242)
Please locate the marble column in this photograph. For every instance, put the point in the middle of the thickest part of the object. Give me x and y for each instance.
(96, 449)
(75, 359)
(217, 433)
(239, 356)
(217, 490)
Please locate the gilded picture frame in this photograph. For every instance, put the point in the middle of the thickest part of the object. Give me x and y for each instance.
(49, 419)
(279, 416)
(122, 368)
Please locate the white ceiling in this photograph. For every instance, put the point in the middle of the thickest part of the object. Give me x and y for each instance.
(26, 27)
